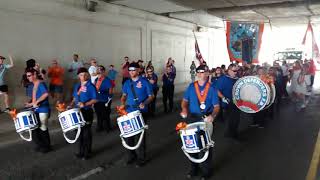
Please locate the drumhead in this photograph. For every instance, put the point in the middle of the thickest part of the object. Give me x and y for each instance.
(250, 94)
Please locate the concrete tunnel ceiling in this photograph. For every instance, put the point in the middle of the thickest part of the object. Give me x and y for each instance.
(209, 12)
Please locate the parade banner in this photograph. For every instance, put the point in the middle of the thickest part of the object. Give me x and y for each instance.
(237, 34)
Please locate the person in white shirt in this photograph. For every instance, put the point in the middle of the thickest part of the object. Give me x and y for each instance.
(3, 85)
(73, 69)
(93, 70)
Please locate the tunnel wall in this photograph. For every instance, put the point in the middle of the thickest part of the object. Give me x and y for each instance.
(47, 29)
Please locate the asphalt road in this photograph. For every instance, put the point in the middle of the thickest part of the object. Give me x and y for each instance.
(280, 151)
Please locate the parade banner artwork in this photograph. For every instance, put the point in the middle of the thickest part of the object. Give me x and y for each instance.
(237, 32)
(315, 48)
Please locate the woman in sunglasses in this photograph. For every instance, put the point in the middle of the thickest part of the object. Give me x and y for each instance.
(84, 97)
(103, 106)
(40, 102)
(153, 80)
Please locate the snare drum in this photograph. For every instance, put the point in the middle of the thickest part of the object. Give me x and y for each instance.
(195, 139)
(131, 125)
(26, 122)
(71, 120)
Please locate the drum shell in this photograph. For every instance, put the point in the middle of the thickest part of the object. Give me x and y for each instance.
(71, 120)
(131, 124)
(25, 121)
(195, 137)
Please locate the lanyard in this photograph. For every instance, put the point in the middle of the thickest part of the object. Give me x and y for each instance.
(99, 82)
(202, 98)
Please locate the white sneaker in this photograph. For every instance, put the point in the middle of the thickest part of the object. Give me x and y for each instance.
(303, 106)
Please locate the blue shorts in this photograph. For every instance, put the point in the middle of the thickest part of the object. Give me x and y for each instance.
(55, 88)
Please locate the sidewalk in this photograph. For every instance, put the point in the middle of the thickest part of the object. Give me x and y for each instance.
(8, 133)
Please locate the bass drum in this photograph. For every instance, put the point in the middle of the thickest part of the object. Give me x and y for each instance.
(251, 95)
(273, 95)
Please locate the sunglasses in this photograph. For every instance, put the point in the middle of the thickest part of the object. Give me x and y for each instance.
(132, 69)
(234, 70)
(29, 75)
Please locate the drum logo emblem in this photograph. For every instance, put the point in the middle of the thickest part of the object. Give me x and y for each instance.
(126, 127)
(64, 123)
(250, 94)
(189, 141)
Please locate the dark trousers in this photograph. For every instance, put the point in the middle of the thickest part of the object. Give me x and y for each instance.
(41, 138)
(233, 120)
(103, 116)
(259, 117)
(284, 91)
(152, 105)
(205, 167)
(85, 138)
(140, 153)
(312, 80)
(168, 92)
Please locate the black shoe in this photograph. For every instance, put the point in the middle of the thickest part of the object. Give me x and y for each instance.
(85, 157)
(79, 156)
(140, 164)
(7, 110)
(130, 161)
(203, 178)
(37, 149)
(45, 150)
(191, 174)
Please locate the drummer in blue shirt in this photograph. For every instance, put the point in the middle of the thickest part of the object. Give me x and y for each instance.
(103, 106)
(39, 101)
(201, 101)
(84, 97)
(136, 95)
(224, 85)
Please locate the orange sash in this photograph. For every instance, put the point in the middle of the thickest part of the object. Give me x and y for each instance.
(99, 82)
(202, 98)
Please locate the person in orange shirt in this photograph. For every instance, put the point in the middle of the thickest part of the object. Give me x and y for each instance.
(56, 73)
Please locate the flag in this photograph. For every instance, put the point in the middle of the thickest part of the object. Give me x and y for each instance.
(315, 48)
(197, 50)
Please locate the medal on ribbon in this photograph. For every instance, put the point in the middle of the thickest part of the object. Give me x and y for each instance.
(202, 97)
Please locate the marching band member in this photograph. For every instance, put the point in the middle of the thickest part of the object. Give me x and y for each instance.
(136, 95)
(39, 101)
(153, 80)
(84, 96)
(103, 106)
(201, 100)
(224, 85)
(168, 88)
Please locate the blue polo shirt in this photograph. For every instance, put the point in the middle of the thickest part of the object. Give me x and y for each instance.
(224, 85)
(168, 80)
(143, 90)
(43, 106)
(103, 92)
(87, 93)
(194, 105)
(155, 78)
